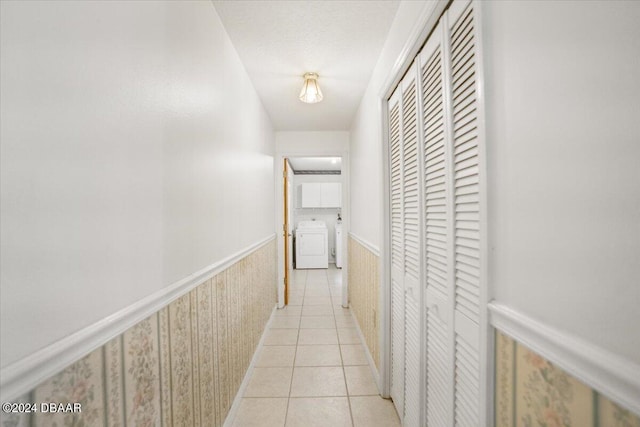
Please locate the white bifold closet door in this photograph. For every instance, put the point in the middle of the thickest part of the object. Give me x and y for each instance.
(397, 255)
(411, 218)
(436, 203)
(406, 296)
(461, 32)
(437, 291)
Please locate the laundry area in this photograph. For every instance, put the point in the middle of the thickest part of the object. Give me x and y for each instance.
(315, 202)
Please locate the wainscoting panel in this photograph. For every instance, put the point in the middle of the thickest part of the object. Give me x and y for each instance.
(113, 358)
(206, 349)
(181, 366)
(531, 391)
(165, 366)
(181, 357)
(82, 382)
(363, 293)
(141, 374)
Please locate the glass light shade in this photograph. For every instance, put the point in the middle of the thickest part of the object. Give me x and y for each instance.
(310, 92)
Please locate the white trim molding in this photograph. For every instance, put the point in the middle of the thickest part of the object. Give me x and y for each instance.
(24, 375)
(368, 246)
(425, 23)
(606, 372)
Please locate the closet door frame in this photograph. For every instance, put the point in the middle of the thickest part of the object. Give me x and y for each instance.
(425, 24)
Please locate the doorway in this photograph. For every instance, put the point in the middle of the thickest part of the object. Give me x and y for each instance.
(312, 217)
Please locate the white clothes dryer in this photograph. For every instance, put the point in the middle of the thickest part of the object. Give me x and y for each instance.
(312, 245)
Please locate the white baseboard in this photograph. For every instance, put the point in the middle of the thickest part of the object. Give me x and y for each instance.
(21, 377)
(609, 374)
(237, 401)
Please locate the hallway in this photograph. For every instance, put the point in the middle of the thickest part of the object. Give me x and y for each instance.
(311, 369)
(489, 207)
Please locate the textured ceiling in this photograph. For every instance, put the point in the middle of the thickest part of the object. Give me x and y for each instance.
(278, 41)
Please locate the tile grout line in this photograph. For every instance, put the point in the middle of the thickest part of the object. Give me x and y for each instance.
(295, 355)
(344, 372)
(293, 367)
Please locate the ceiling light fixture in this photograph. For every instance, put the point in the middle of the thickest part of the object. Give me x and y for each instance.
(310, 92)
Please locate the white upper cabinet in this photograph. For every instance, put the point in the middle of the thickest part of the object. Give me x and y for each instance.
(320, 195)
(310, 194)
(331, 195)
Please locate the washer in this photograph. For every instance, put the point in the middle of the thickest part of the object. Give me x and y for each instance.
(312, 245)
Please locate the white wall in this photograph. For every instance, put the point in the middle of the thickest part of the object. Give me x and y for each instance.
(366, 131)
(328, 215)
(135, 152)
(563, 110)
(312, 143)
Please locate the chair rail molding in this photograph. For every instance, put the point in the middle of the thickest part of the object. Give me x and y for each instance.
(604, 371)
(22, 376)
(367, 245)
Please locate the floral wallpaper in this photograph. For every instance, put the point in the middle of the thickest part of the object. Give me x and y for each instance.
(532, 392)
(81, 382)
(363, 293)
(181, 366)
(114, 382)
(181, 362)
(141, 367)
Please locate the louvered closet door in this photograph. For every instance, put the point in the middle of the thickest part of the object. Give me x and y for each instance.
(437, 289)
(411, 172)
(397, 254)
(437, 250)
(461, 25)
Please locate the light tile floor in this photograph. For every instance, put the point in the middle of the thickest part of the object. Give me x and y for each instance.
(312, 370)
